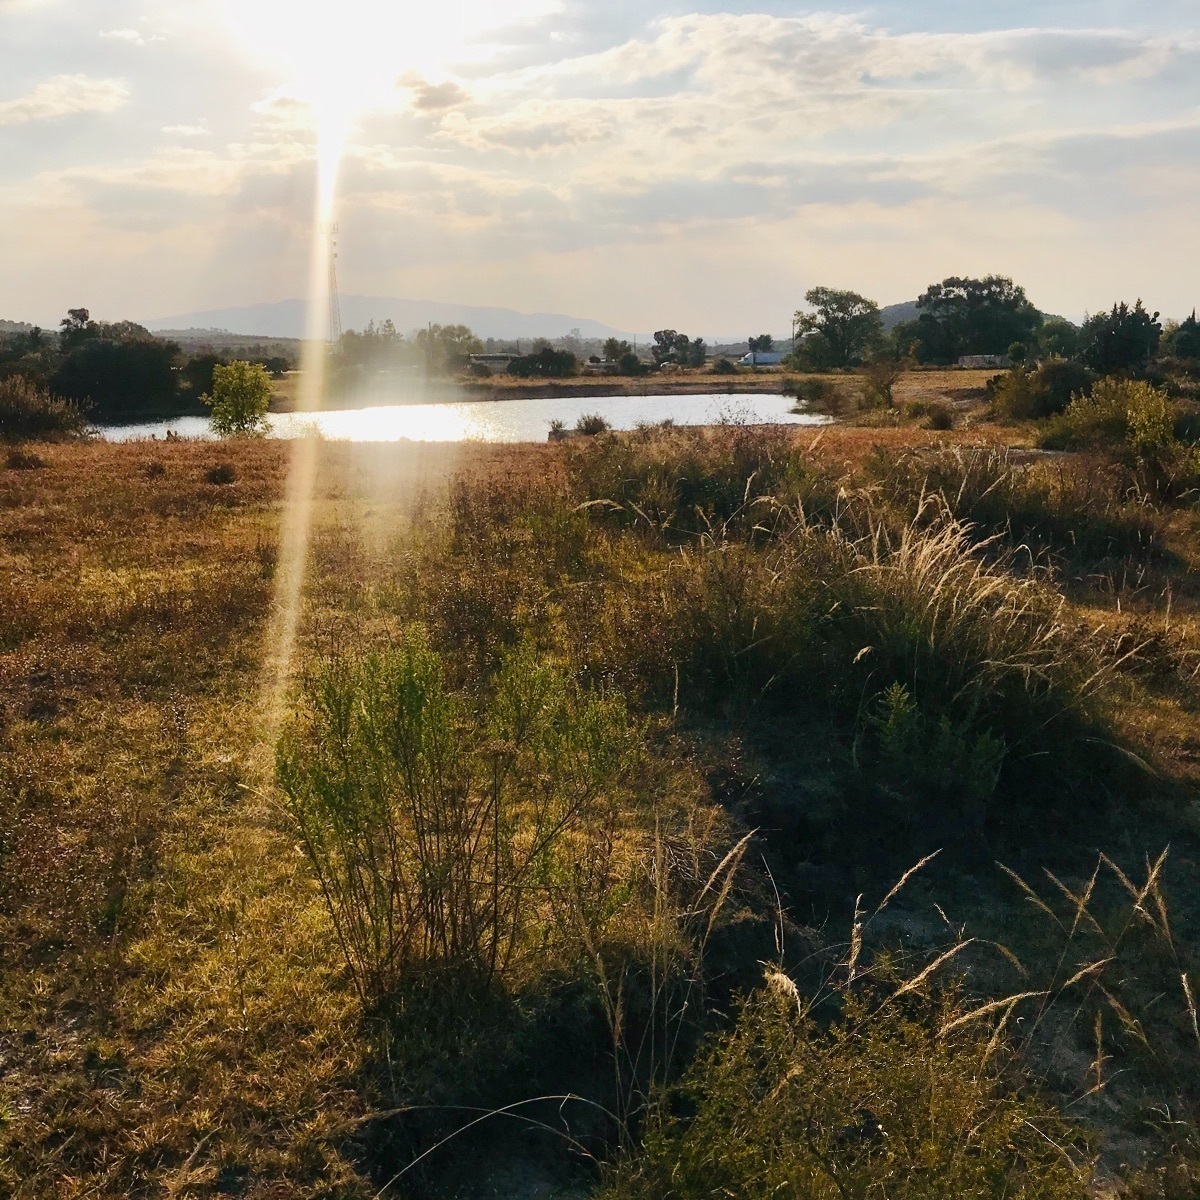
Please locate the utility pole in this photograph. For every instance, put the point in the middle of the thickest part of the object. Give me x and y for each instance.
(335, 304)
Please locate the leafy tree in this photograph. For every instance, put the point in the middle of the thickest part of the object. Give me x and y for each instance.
(77, 326)
(924, 339)
(1184, 340)
(197, 373)
(1059, 338)
(630, 364)
(447, 347)
(763, 344)
(1125, 339)
(848, 322)
(665, 346)
(241, 395)
(615, 349)
(979, 316)
(120, 379)
(670, 346)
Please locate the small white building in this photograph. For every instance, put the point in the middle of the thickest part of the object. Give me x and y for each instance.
(979, 362)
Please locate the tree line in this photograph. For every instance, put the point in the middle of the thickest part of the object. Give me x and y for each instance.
(115, 370)
(992, 316)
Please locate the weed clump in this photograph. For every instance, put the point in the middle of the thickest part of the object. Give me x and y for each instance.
(591, 424)
(30, 413)
(895, 1098)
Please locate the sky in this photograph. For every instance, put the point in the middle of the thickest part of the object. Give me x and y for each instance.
(699, 165)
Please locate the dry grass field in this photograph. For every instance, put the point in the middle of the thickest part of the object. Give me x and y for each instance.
(710, 687)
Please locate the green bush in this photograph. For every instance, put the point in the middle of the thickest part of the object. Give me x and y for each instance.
(241, 396)
(895, 1099)
(446, 837)
(1117, 410)
(1136, 423)
(30, 413)
(1023, 395)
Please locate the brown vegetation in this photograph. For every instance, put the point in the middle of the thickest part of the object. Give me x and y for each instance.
(865, 644)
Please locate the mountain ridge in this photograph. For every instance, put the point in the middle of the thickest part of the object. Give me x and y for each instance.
(287, 318)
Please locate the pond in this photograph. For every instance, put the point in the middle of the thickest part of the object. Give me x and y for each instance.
(523, 420)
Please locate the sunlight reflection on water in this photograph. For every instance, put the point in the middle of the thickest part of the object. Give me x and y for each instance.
(525, 420)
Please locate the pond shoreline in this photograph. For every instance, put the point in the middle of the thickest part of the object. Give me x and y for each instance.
(602, 387)
(526, 419)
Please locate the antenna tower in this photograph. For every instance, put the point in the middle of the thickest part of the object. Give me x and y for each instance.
(335, 304)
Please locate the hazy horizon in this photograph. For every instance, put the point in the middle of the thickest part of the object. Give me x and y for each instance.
(699, 166)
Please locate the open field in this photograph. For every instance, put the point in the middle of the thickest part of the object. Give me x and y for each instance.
(641, 648)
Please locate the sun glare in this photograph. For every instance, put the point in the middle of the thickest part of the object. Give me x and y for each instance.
(341, 60)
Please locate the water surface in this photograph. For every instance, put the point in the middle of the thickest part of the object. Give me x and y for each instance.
(523, 420)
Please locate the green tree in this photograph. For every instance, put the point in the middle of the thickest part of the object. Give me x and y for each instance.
(77, 326)
(615, 349)
(1125, 339)
(763, 344)
(848, 322)
(241, 395)
(447, 347)
(119, 378)
(1059, 338)
(980, 316)
(1184, 340)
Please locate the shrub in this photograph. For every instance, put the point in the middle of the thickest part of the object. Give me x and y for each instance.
(1107, 415)
(590, 424)
(1136, 422)
(724, 367)
(445, 838)
(945, 767)
(937, 413)
(221, 474)
(28, 412)
(879, 380)
(941, 417)
(1023, 395)
(893, 1100)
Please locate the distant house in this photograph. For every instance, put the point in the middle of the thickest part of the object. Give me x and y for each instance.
(494, 362)
(762, 358)
(979, 362)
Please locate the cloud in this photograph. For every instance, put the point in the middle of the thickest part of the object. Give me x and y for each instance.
(65, 96)
(188, 131)
(437, 97)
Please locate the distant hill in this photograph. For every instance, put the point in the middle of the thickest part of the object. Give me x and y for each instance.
(286, 319)
(895, 314)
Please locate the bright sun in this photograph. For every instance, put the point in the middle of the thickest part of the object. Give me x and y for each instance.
(345, 57)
